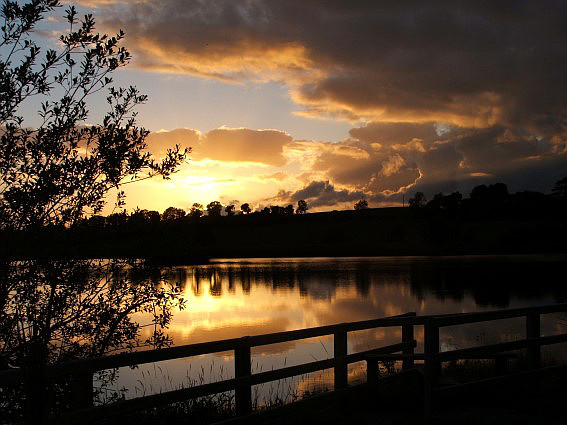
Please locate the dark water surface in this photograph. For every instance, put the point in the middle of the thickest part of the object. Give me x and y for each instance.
(233, 298)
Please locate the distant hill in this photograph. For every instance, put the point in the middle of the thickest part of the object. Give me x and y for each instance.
(379, 231)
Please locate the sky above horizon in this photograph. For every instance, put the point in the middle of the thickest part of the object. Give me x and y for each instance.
(333, 101)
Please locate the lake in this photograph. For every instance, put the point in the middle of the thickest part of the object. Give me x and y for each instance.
(230, 298)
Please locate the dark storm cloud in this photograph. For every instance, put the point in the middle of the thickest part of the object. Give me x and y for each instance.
(458, 159)
(472, 63)
(455, 93)
(320, 194)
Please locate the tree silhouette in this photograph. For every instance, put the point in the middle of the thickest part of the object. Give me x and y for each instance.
(445, 202)
(418, 200)
(277, 210)
(288, 210)
(361, 204)
(143, 217)
(56, 311)
(453, 201)
(560, 189)
(196, 210)
(53, 173)
(437, 201)
(229, 209)
(116, 219)
(53, 310)
(214, 209)
(301, 207)
(245, 208)
(172, 214)
(492, 195)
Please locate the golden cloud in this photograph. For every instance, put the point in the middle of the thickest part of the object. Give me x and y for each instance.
(225, 144)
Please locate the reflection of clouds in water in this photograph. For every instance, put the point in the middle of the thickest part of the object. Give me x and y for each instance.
(230, 300)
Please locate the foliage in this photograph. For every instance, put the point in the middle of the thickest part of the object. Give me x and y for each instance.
(560, 189)
(196, 210)
(214, 209)
(245, 208)
(51, 303)
(494, 194)
(53, 173)
(116, 219)
(56, 311)
(361, 204)
(301, 207)
(418, 200)
(446, 202)
(277, 210)
(144, 217)
(229, 209)
(172, 214)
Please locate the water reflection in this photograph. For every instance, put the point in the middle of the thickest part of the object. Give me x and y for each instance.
(54, 311)
(233, 298)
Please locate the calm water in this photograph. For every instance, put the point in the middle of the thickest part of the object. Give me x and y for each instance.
(233, 298)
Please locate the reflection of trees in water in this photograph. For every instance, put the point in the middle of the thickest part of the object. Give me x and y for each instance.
(490, 282)
(56, 311)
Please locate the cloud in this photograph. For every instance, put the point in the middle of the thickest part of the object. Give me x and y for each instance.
(242, 144)
(378, 162)
(472, 64)
(225, 144)
(394, 158)
(451, 94)
(392, 133)
(276, 176)
(319, 194)
(158, 142)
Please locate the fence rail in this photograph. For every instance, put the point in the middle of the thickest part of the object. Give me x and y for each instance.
(82, 370)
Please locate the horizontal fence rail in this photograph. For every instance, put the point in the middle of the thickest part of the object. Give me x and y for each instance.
(83, 370)
(183, 394)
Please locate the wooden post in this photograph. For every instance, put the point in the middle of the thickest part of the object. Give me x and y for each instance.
(36, 408)
(37, 396)
(82, 387)
(243, 368)
(432, 365)
(341, 367)
(371, 370)
(407, 337)
(501, 365)
(533, 331)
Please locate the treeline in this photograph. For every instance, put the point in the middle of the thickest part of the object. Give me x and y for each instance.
(197, 212)
(491, 199)
(490, 220)
(483, 199)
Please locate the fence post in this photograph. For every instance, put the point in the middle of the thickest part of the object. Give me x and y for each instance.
(82, 391)
(36, 407)
(243, 368)
(407, 337)
(432, 365)
(340, 350)
(371, 370)
(533, 331)
(37, 394)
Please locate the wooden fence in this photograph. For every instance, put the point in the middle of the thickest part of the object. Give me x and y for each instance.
(82, 370)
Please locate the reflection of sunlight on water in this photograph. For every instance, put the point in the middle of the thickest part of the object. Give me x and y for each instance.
(233, 298)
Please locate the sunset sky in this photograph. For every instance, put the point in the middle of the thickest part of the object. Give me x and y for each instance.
(331, 101)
